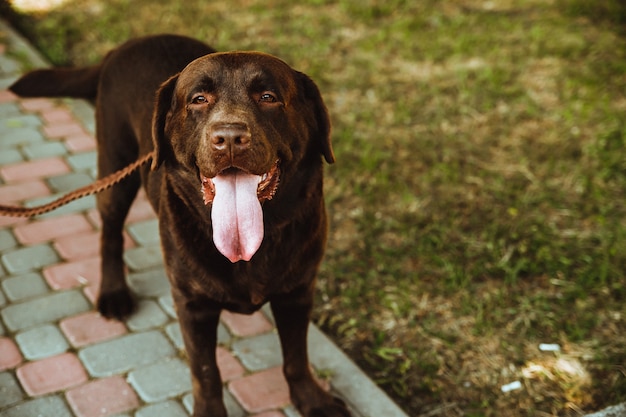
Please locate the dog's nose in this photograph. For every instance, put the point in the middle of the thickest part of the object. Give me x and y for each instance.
(230, 136)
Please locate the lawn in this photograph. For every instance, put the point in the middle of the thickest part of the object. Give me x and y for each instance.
(478, 202)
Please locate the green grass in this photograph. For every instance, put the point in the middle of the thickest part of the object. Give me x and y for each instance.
(478, 202)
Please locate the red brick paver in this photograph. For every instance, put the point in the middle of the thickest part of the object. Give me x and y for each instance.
(51, 374)
(57, 116)
(10, 355)
(90, 328)
(80, 142)
(83, 245)
(36, 104)
(39, 168)
(78, 246)
(8, 221)
(262, 391)
(230, 368)
(7, 96)
(139, 211)
(73, 274)
(63, 130)
(102, 397)
(13, 193)
(54, 227)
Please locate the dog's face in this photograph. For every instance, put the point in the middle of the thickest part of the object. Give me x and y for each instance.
(241, 122)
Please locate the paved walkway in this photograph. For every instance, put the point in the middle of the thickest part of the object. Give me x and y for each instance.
(58, 357)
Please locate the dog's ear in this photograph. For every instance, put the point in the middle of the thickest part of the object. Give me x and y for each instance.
(162, 111)
(312, 94)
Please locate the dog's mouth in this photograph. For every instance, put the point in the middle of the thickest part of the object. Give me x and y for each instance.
(267, 186)
(235, 197)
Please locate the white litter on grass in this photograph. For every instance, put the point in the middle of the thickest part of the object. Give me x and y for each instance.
(549, 347)
(511, 387)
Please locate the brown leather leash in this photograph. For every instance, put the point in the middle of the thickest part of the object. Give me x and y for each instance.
(97, 187)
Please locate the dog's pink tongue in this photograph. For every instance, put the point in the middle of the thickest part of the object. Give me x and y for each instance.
(237, 216)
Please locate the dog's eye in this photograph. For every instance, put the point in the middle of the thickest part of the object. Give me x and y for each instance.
(199, 99)
(202, 98)
(268, 98)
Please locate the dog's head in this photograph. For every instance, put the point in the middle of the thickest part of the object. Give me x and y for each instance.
(240, 121)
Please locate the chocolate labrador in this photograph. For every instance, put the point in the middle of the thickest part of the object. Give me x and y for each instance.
(237, 184)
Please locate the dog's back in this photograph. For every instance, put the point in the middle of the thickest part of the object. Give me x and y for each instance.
(168, 54)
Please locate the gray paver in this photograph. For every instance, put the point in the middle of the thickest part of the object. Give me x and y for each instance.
(143, 257)
(615, 411)
(164, 409)
(173, 332)
(167, 304)
(260, 352)
(39, 407)
(125, 353)
(7, 241)
(69, 182)
(348, 379)
(46, 309)
(5, 82)
(21, 137)
(44, 150)
(9, 110)
(18, 121)
(232, 406)
(41, 342)
(145, 233)
(147, 316)
(151, 283)
(83, 111)
(10, 156)
(24, 286)
(29, 258)
(85, 161)
(8, 65)
(10, 391)
(223, 337)
(290, 411)
(161, 381)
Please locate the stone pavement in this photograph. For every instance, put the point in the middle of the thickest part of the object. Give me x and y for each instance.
(58, 357)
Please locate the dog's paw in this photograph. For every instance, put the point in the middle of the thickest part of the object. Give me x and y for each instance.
(338, 408)
(329, 407)
(116, 304)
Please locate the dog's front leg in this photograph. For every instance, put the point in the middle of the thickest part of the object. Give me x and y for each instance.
(292, 315)
(115, 300)
(198, 325)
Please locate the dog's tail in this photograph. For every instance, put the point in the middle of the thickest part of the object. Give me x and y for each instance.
(59, 82)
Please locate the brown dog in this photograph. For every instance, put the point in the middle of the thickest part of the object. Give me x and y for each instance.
(236, 183)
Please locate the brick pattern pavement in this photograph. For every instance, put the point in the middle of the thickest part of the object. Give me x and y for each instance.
(58, 356)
